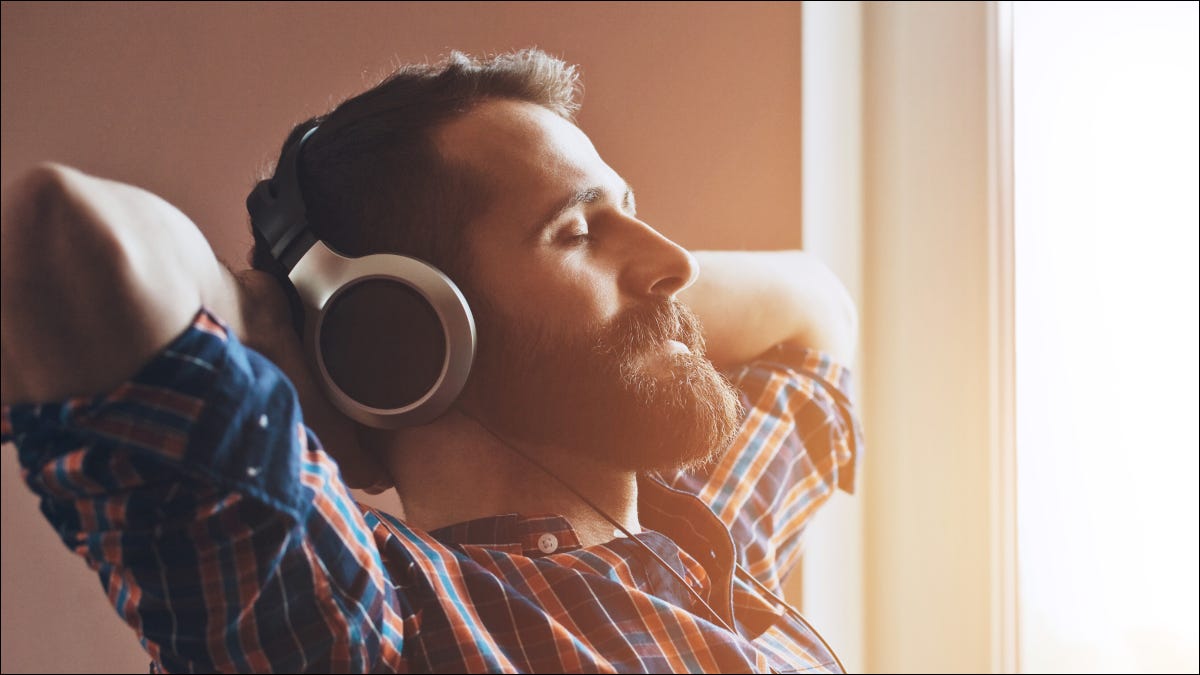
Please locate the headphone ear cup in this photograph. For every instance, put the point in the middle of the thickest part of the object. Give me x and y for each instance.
(382, 342)
(392, 337)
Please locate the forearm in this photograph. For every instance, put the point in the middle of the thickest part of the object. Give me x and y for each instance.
(97, 276)
(749, 302)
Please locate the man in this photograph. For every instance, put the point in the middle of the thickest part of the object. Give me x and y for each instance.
(155, 413)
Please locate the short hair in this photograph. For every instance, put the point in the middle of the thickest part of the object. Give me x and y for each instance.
(372, 178)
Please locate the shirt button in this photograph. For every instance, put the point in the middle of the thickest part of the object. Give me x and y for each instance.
(263, 421)
(547, 543)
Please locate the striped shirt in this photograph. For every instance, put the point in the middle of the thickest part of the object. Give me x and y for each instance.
(223, 534)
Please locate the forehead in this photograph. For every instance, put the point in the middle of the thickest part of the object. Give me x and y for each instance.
(528, 156)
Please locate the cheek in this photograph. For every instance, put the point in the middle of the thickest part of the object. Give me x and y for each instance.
(587, 292)
(563, 292)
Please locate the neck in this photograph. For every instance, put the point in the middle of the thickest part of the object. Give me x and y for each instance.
(456, 469)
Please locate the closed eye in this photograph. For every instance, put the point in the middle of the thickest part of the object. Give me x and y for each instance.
(576, 237)
(585, 196)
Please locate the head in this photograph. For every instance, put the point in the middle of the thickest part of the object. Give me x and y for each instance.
(373, 179)
(478, 168)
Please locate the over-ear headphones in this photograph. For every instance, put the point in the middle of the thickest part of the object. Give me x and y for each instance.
(391, 338)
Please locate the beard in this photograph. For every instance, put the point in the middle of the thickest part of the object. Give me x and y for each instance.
(614, 393)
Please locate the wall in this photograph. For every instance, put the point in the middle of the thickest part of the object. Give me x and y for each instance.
(698, 105)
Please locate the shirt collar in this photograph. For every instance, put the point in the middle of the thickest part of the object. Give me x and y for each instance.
(678, 515)
(533, 536)
(692, 525)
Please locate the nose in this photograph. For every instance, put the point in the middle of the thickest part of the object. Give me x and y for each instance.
(659, 266)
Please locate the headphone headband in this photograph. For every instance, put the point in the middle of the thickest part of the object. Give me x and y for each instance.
(391, 338)
(277, 211)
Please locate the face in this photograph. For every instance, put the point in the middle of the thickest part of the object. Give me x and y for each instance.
(582, 344)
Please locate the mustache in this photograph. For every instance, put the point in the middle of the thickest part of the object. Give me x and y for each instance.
(646, 326)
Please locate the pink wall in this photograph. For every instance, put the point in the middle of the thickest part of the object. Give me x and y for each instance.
(697, 105)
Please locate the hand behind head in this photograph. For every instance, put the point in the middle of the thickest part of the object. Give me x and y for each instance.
(268, 330)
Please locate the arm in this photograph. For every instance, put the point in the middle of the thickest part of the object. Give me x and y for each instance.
(801, 439)
(98, 276)
(750, 302)
(183, 474)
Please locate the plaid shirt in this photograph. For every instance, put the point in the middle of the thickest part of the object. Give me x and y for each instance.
(223, 534)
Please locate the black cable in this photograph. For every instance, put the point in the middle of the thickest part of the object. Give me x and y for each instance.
(787, 607)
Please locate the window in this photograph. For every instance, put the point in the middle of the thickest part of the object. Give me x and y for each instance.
(1105, 180)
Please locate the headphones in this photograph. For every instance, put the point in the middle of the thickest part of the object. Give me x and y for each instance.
(391, 338)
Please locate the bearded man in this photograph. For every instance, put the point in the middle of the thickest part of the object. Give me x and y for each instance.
(620, 486)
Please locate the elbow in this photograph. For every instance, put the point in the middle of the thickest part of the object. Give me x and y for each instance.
(56, 248)
(835, 332)
(30, 201)
(49, 219)
(33, 206)
(828, 316)
(846, 326)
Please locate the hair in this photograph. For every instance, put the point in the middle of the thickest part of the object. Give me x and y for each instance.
(372, 177)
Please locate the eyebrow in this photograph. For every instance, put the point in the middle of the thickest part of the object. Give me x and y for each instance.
(588, 195)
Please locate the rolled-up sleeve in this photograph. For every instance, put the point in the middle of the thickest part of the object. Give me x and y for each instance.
(800, 440)
(220, 530)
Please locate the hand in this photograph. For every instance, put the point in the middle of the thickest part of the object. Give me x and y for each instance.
(267, 329)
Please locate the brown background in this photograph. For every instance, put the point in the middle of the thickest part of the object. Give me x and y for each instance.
(697, 105)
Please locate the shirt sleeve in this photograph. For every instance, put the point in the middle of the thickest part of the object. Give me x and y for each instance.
(220, 530)
(799, 440)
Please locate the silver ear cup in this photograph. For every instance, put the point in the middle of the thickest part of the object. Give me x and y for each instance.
(370, 370)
